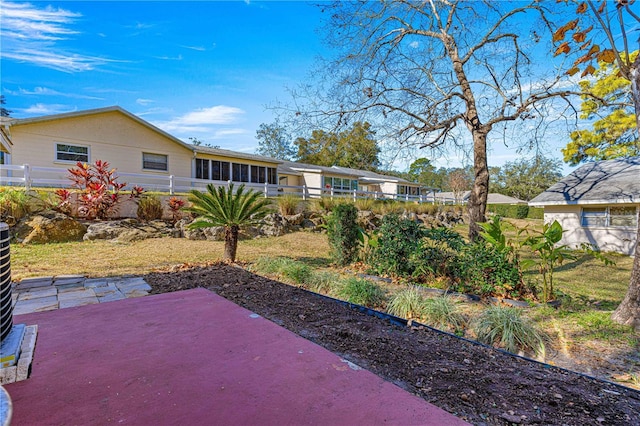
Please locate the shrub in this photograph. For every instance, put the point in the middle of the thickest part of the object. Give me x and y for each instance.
(14, 205)
(344, 234)
(408, 303)
(99, 189)
(361, 292)
(290, 269)
(442, 313)
(535, 213)
(506, 328)
(149, 208)
(397, 241)
(175, 206)
(288, 204)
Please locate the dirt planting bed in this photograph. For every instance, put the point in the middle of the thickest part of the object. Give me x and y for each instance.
(476, 383)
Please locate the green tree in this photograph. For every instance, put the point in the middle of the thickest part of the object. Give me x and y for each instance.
(422, 171)
(607, 101)
(354, 147)
(231, 210)
(3, 111)
(274, 141)
(609, 27)
(526, 178)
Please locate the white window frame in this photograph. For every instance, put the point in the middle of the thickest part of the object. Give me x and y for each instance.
(151, 169)
(607, 217)
(56, 152)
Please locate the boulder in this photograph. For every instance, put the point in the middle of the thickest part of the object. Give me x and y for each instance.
(128, 230)
(50, 227)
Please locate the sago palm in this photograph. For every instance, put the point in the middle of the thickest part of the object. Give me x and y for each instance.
(232, 210)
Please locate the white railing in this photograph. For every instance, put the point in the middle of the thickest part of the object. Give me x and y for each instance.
(29, 177)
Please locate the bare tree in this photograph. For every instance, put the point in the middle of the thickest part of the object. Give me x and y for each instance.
(609, 23)
(458, 182)
(424, 70)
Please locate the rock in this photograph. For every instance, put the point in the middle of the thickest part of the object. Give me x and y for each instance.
(295, 220)
(50, 227)
(309, 225)
(128, 230)
(274, 225)
(512, 418)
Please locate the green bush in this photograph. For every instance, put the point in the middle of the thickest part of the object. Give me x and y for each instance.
(14, 205)
(517, 211)
(323, 282)
(290, 269)
(536, 213)
(398, 240)
(297, 272)
(149, 208)
(506, 328)
(361, 292)
(344, 234)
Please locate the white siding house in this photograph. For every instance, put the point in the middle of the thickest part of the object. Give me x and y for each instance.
(597, 204)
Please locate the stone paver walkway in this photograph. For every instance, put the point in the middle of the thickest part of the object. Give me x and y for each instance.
(66, 291)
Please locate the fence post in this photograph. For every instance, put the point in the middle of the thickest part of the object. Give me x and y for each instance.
(304, 192)
(332, 192)
(266, 190)
(171, 188)
(27, 177)
(355, 195)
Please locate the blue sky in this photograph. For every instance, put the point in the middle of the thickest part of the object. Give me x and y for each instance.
(195, 69)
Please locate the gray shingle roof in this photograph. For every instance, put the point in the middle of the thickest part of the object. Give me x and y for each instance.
(602, 182)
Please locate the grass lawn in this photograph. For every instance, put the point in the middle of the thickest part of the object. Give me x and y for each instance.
(582, 336)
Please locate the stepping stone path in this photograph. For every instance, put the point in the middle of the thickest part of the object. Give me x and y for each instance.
(66, 291)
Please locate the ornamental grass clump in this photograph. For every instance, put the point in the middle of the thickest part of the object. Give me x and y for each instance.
(506, 328)
(149, 208)
(443, 313)
(361, 292)
(408, 303)
(288, 204)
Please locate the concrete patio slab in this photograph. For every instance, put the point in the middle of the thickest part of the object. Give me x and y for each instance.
(192, 357)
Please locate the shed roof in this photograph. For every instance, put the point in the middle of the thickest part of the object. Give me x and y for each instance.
(602, 182)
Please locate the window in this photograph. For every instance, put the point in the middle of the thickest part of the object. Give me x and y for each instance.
(340, 184)
(220, 170)
(203, 169)
(258, 174)
(75, 153)
(406, 189)
(622, 216)
(609, 216)
(272, 175)
(240, 172)
(155, 162)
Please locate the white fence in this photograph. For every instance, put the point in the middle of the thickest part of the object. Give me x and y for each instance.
(30, 177)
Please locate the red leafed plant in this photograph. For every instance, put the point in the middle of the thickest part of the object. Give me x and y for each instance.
(99, 190)
(175, 205)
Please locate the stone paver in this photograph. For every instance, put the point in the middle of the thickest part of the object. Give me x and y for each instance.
(66, 291)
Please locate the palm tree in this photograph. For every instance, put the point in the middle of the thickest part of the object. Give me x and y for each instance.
(222, 207)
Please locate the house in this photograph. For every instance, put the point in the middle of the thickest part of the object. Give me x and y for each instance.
(129, 144)
(463, 198)
(337, 180)
(597, 204)
(147, 156)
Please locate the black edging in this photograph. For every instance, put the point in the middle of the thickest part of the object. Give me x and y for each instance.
(401, 322)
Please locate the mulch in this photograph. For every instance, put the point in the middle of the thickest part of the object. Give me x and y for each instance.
(476, 383)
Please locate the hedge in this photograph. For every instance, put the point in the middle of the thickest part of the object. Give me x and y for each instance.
(517, 211)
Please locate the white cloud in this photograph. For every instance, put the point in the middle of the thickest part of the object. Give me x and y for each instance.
(45, 91)
(202, 120)
(414, 44)
(29, 34)
(144, 102)
(197, 48)
(43, 109)
(169, 58)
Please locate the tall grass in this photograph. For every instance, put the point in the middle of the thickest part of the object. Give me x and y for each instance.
(288, 204)
(408, 303)
(14, 204)
(361, 292)
(443, 313)
(506, 328)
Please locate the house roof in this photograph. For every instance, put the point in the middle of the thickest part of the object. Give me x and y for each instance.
(115, 108)
(601, 182)
(492, 198)
(292, 167)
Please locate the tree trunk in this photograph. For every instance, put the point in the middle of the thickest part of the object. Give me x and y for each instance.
(230, 243)
(628, 312)
(478, 199)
